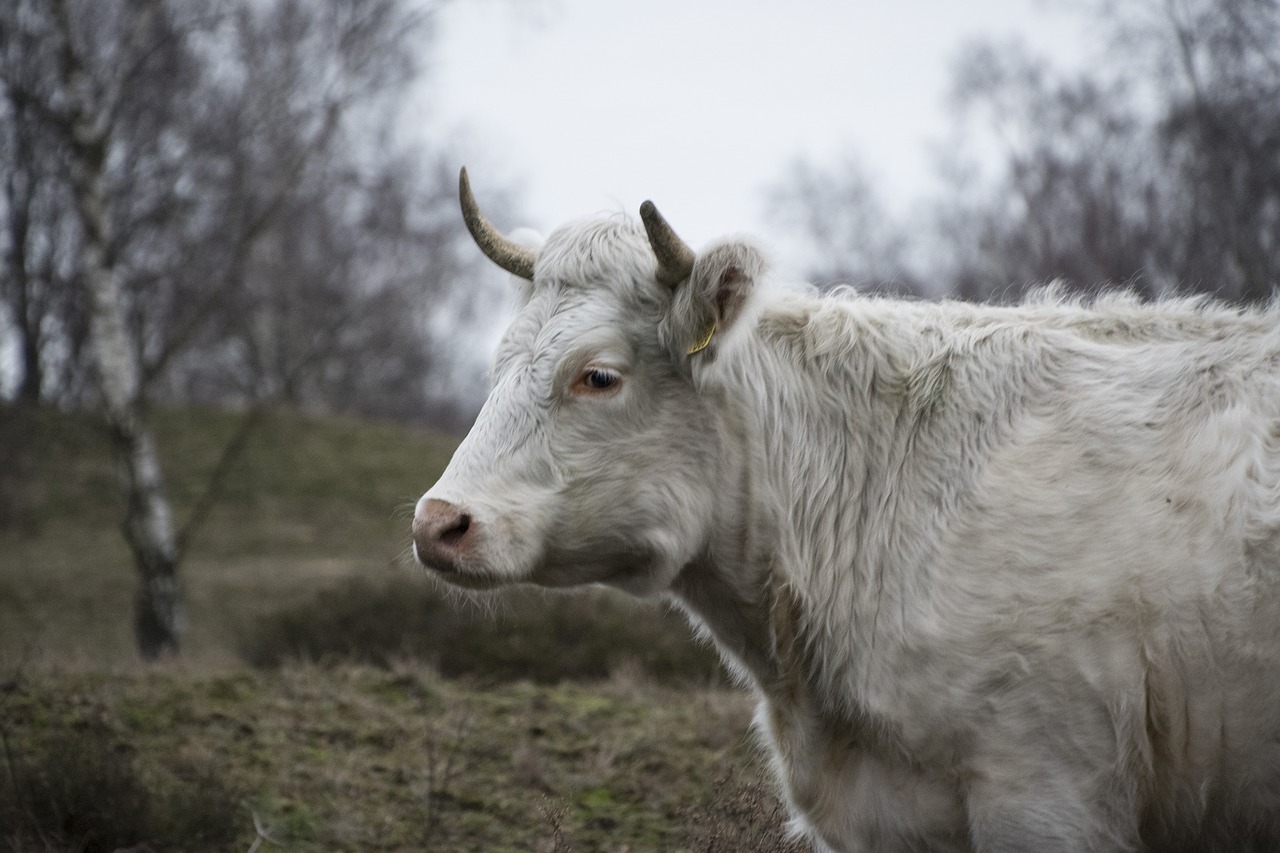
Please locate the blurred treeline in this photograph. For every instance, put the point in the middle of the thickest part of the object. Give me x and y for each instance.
(1155, 168)
(277, 225)
(280, 236)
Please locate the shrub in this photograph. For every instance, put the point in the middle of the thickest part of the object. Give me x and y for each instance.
(535, 636)
(80, 788)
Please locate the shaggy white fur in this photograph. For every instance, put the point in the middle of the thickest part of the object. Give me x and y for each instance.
(1004, 578)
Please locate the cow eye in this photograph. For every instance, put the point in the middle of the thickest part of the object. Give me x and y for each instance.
(598, 379)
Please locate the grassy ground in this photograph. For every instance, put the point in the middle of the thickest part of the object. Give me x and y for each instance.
(360, 758)
(310, 705)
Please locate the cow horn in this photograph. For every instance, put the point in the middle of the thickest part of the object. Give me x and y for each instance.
(675, 258)
(508, 254)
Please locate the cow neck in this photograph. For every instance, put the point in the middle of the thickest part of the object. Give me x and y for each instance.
(795, 445)
(728, 590)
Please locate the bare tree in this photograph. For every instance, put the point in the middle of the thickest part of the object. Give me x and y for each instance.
(849, 234)
(1219, 134)
(1076, 197)
(40, 236)
(20, 290)
(85, 116)
(321, 240)
(1157, 172)
(239, 230)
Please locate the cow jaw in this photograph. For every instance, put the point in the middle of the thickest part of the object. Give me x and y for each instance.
(500, 516)
(560, 537)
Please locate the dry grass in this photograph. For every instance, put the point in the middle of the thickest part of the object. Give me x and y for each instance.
(519, 754)
(374, 759)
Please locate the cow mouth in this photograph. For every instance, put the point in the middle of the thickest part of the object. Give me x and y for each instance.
(457, 574)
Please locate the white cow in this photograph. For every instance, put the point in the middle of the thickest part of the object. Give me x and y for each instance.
(1003, 578)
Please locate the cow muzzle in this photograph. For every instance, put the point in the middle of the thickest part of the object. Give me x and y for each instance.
(444, 536)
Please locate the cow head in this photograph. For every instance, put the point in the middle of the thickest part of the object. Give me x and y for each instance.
(596, 458)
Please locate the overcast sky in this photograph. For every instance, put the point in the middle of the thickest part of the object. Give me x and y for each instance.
(590, 106)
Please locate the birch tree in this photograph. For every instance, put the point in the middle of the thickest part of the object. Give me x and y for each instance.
(87, 117)
(195, 145)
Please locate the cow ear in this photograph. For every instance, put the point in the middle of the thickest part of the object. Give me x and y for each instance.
(711, 302)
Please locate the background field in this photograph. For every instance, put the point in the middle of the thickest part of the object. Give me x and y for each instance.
(328, 697)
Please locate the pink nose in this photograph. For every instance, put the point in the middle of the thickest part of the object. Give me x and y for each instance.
(442, 535)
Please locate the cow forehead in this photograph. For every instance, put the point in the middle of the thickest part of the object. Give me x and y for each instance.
(608, 254)
(556, 320)
(590, 277)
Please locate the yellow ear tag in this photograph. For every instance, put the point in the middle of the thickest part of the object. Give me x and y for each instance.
(703, 341)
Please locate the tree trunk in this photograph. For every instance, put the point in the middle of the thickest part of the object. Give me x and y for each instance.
(148, 524)
(18, 196)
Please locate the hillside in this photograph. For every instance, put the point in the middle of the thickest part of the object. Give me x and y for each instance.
(309, 502)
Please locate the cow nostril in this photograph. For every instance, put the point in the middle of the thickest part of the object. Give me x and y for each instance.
(454, 534)
(442, 532)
